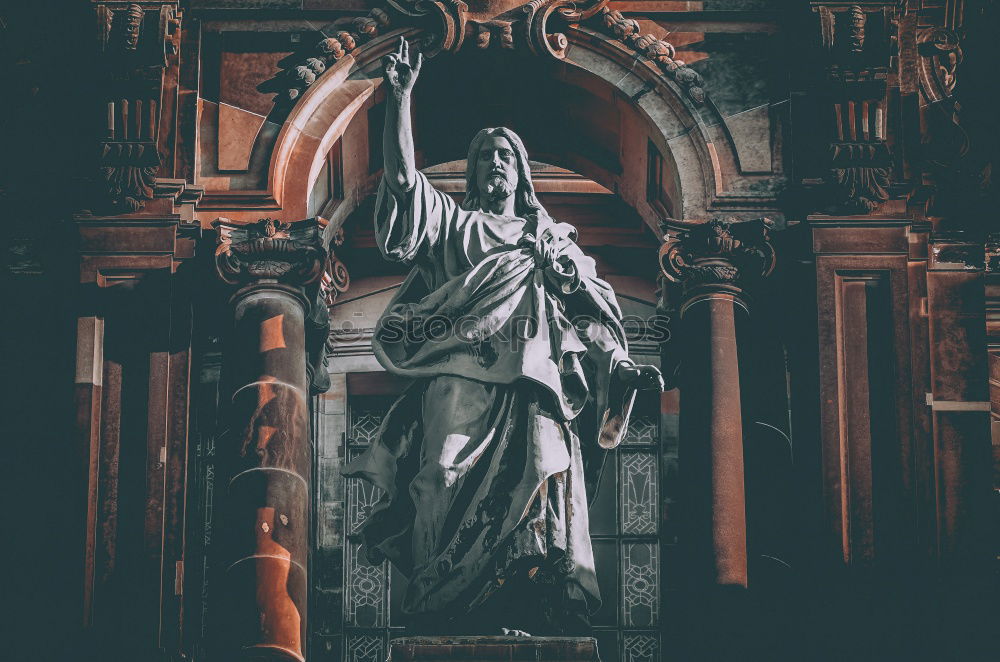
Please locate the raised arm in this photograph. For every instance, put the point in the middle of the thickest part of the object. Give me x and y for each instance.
(397, 139)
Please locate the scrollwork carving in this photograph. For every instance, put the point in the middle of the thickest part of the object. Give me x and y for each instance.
(941, 55)
(335, 279)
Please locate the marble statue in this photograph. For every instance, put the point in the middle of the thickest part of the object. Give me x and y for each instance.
(520, 382)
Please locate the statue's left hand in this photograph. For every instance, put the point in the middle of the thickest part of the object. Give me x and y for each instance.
(543, 247)
(639, 376)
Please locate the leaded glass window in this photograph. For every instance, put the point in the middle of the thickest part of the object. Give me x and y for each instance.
(626, 517)
(366, 616)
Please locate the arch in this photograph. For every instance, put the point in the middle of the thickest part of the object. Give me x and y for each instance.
(696, 151)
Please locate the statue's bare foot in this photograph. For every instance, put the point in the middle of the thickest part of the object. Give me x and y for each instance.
(509, 632)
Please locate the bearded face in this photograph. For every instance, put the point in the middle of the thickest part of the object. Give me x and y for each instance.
(496, 169)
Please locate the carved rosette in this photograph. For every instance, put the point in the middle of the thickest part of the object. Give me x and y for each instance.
(718, 255)
(270, 251)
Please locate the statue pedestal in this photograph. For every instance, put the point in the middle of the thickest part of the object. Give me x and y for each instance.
(495, 649)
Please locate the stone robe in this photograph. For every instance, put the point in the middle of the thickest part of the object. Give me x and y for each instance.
(485, 458)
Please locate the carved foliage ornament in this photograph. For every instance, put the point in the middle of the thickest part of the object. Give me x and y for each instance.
(538, 25)
(719, 252)
(660, 52)
(290, 253)
(862, 188)
(129, 173)
(860, 175)
(340, 38)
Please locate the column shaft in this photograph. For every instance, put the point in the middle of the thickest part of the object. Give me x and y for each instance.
(267, 453)
(712, 438)
(268, 490)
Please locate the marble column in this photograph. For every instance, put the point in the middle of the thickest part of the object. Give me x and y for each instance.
(275, 269)
(711, 264)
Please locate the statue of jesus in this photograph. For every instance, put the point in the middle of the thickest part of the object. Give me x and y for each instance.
(521, 381)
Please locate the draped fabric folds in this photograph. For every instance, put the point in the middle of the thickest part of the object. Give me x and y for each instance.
(487, 459)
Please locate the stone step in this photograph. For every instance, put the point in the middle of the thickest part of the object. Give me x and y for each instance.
(493, 649)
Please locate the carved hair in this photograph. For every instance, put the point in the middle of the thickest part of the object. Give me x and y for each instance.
(526, 204)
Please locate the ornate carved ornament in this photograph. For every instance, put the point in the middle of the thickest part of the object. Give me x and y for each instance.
(861, 189)
(147, 33)
(940, 56)
(335, 279)
(858, 37)
(538, 25)
(860, 175)
(725, 252)
(503, 23)
(339, 39)
(289, 253)
(137, 40)
(129, 174)
(660, 52)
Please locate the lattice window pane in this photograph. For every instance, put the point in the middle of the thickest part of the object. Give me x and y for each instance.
(361, 499)
(640, 647)
(640, 584)
(365, 648)
(639, 493)
(365, 424)
(642, 429)
(366, 591)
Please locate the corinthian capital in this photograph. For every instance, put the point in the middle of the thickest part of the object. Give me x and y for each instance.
(269, 250)
(726, 254)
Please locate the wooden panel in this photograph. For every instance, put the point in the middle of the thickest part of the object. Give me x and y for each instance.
(867, 240)
(959, 395)
(865, 376)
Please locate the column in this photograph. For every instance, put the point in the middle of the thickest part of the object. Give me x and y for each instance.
(712, 263)
(266, 454)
